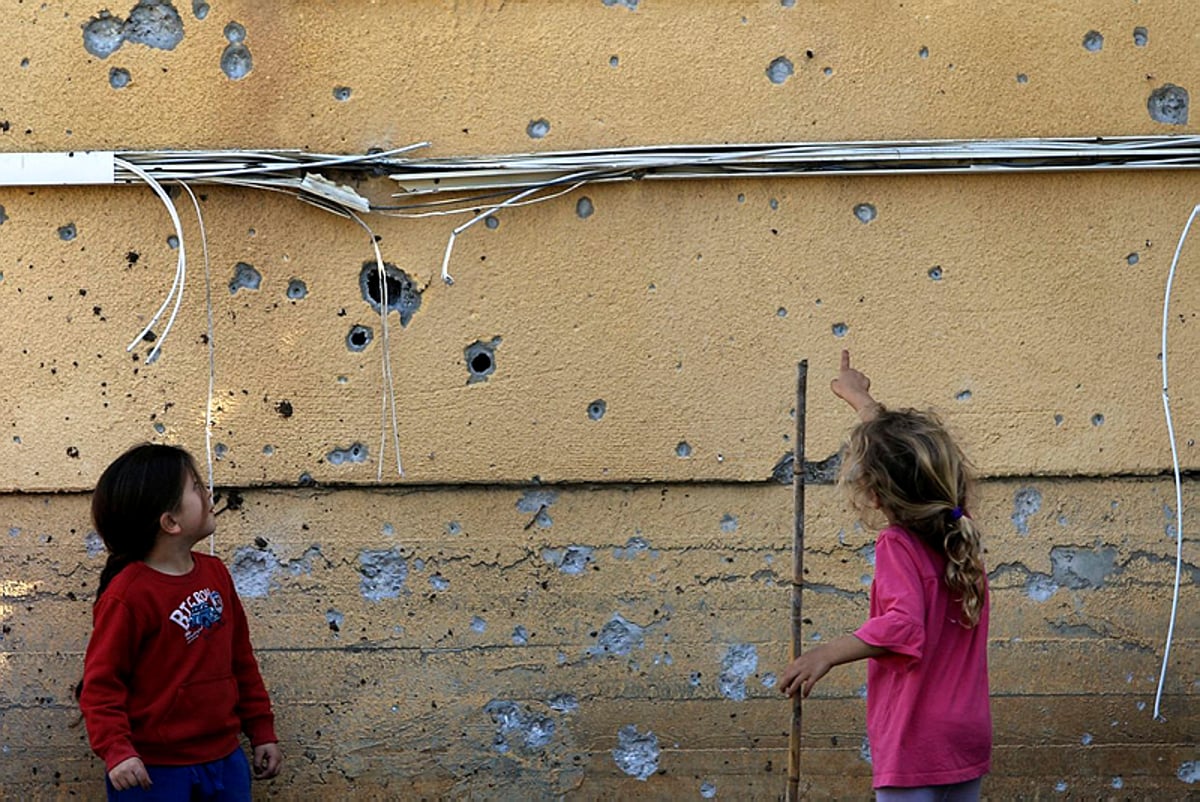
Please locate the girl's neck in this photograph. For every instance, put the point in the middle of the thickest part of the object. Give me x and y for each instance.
(171, 555)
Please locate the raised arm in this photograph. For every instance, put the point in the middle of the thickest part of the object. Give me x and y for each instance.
(853, 387)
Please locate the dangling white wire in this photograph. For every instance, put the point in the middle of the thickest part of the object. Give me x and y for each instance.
(446, 277)
(1175, 465)
(389, 385)
(212, 355)
(180, 265)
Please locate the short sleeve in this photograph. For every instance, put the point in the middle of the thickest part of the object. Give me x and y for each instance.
(897, 621)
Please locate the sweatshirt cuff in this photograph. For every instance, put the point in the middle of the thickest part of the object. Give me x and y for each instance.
(118, 754)
(261, 731)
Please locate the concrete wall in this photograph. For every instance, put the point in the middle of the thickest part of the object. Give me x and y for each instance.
(546, 602)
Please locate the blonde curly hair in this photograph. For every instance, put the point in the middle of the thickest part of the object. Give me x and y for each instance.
(904, 464)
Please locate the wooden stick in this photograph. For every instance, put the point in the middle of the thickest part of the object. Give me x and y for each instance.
(793, 787)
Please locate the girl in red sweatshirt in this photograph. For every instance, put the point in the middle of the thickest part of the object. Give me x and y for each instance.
(169, 678)
(928, 719)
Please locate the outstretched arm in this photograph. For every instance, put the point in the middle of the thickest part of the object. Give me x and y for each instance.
(803, 672)
(853, 387)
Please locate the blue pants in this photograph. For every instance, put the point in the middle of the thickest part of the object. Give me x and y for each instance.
(224, 780)
(959, 792)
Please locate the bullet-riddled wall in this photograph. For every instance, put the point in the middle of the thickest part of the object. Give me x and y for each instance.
(581, 584)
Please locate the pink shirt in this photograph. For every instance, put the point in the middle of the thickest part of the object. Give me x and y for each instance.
(928, 717)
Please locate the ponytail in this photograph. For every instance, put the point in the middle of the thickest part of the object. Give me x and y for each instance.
(964, 567)
(113, 566)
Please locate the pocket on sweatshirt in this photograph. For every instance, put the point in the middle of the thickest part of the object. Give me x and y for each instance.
(201, 710)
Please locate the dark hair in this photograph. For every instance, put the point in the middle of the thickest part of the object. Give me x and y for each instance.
(130, 498)
(128, 502)
(906, 462)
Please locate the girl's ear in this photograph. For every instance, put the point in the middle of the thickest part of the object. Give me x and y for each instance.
(168, 524)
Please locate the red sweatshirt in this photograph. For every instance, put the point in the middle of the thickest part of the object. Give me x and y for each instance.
(169, 674)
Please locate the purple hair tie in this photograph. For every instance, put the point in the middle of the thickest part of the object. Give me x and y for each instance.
(956, 513)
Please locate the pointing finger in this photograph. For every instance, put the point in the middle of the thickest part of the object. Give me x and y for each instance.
(845, 359)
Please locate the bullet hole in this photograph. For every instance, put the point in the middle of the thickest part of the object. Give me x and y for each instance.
(1058, 420)
(707, 789)
(537, 129)
(297, 290)
(779, 70)
(534, 731)
(67, 233)
(403, 294)
(1026, 502)
(118, 78)
(478, 624)
(354, 453)
(235, 33)
(220, 450)
(305, 480)
(359, 337)
(284, 408)
(245, 277)
(236, 61)
(132, 258)
(636, 754)
(1093, 41)
(584, 208)
(1097, 419)
(923, 52)
(629, 4)
(965, 395)
(739, 663)
(268, 451)
(1078, 568)
(200, 9)
(341, 93)
(683, 450)
(492, 222)
(439, 582)
(155, 24)
(865, 212)
(614, 62)
(840, 329)
(774, 204)
(1141, 37)
(596, 409)
(572, 560)
(781, 312)
(729, 523)
(173, 242)
(828, 71)
(1132, 259)
(694, 679)
(1168, 104)
(103, 35)
(481, 359)
(72, 452)
(161, 429)
(935, 272)
(1022, 78)
(3, 216)
(335, 620)
(253, 570)
(383, 574)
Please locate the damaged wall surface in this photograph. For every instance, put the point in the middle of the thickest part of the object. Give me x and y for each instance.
(581, 583)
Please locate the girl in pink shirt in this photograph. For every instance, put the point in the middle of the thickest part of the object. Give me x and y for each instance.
(928, 719)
